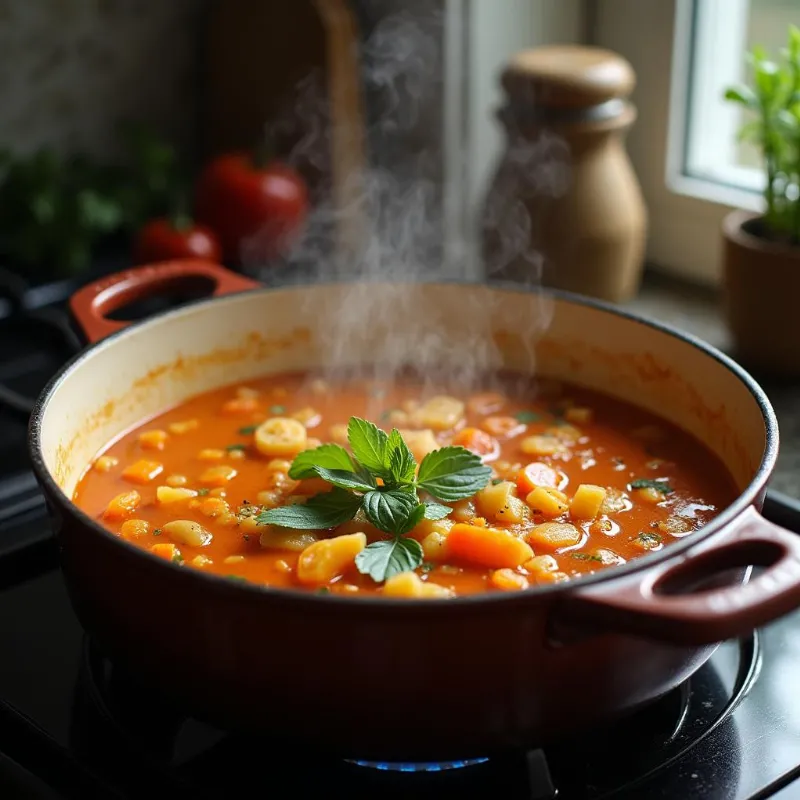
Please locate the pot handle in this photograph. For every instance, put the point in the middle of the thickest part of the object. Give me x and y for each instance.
(660, 604)
(91, 303)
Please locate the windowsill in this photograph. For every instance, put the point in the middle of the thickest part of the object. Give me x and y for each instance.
(697, 310)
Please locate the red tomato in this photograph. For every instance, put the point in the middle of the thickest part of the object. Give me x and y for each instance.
(249, 205)
(162, 240)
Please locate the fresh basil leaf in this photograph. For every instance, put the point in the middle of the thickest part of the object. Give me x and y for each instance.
(389, 510)
(369, 444)
(659, 485)
(402, 465)
(320, 512)
(527, 417)
(434, 511)
(329, 456)
(382, 560)
(345, 479)
(414, 519)
(452, 473)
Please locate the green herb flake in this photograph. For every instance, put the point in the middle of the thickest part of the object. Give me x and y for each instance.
(587, 557)
(649, 539)
(232, 447)
(495, 481)
(203, 492)
(659, 485)
(157, 532)
(237, 578)
(527, 417)
(248, 430)
(427, 566)
(323, 590)
(177, 558)
(277, 409)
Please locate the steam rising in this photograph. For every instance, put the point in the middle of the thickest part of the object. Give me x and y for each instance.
(398, 198)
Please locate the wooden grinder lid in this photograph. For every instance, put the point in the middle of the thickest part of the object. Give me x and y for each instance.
(567, 76)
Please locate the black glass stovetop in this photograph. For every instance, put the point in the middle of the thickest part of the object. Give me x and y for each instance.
(72, 725)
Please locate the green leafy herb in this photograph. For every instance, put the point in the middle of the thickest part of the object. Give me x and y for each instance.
(652, 483)
(526, 417)
(248, 430)
(231, 447)
(277, 409)
(322, 511)
(177, 558)
(587, 557)
(381, 560)
(203, 492)
(380, 481)
(327, 456)
(427, 566)
(452, 473)
(649, 540)
(237, 578)
(495, 481)
(323, 590)
(157, 532)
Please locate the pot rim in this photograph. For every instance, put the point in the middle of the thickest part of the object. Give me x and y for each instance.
(379, 604)
(734, 231)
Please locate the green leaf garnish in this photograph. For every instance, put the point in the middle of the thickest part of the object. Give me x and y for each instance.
(231, 447)
(526, 417)
(652, 483)
(452, 473)
(382, 560)
(328, 456)
(381, 481)
(248, 430)
(203, 492)
(322, 511)
(587, 557)
(434, 511)
(389, 510)
(369, 444)
(277, 409)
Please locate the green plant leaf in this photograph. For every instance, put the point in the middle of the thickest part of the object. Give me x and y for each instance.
(650, 483)
(389, 510)
(382, 560)
(743, 95)
(369, 444)
(345, 479)
(434, 511)
(329, 456)
(321, 512)
(402, 464)
(452, 473)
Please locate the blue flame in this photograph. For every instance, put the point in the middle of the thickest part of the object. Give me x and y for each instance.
(387, 766)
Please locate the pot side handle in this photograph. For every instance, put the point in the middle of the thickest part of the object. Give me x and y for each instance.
(91, 304)
(660, 604)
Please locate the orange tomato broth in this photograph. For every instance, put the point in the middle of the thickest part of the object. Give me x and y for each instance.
(594, 439)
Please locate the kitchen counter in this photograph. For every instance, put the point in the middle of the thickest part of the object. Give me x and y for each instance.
(698, 311)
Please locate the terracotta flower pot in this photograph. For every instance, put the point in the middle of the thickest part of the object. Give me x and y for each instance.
(761, 291)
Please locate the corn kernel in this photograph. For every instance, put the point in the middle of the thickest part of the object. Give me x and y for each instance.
(279, 465)
(233, 560)
(168, 494)
(176, 480)
(153, 440)
(106, 463)
(551, 577)
(218, 476)
(547, 501)
(587, 501)
(179, 428)
(508, 580)
(201, 561)
(237, 454)
(541, 564)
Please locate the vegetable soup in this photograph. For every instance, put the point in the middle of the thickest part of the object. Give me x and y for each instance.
(403, 490)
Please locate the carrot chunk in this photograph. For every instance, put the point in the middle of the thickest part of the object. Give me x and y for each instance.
(142, 471)
(478, 441)
(122, 505)
(488, 547)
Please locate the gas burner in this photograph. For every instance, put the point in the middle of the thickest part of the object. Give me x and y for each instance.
(118, 721)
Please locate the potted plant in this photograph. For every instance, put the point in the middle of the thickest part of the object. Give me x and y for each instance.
(762, 251)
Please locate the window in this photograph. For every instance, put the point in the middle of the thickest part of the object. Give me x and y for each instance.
(711, 38)
(683, 144)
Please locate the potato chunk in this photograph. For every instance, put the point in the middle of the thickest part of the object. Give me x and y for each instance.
(554, 535)
(541, 564)
(441, 413)
(281, 436)
(275, 538)
(153, 440)
(218, 476)
(420, 443)
(184, 531)
(169, 494)
(547, 501)
(409, 584)
(507, 580)
(541, 446)
(615, 501)
(587, 501)
(498, 502)
(327, 559)
(487, 547)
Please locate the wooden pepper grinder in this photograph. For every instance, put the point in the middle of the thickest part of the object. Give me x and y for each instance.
(565, 208)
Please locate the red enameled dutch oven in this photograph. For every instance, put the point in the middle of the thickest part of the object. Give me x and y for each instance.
(400, 680)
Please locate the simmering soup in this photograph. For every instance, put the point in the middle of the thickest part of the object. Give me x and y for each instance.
(403, 489)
